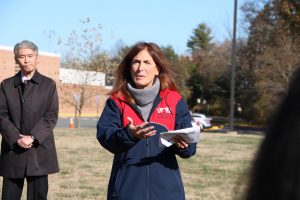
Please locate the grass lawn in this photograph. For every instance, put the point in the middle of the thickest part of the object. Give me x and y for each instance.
(217, 172)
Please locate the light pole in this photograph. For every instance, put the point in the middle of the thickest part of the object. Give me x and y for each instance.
(97, 103)
(233, 63)
(76, 101)
(49, 34)
(204, 105)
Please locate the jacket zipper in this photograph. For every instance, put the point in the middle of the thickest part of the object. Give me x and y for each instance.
(147, 172)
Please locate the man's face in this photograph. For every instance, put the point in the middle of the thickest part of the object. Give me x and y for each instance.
(27, 59)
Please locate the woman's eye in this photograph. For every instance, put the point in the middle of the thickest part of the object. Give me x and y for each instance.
(135, 64)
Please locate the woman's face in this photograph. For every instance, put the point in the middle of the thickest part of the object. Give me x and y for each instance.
(143, 70)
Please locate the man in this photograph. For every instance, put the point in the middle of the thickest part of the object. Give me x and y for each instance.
(28, 115)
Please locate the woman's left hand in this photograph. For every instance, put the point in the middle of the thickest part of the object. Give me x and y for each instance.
(180, 142)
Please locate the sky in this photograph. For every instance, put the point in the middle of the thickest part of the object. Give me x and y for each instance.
(165, 22)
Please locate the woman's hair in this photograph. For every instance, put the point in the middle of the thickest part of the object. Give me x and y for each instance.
(123, 75)
(25, 44)
(276, 170)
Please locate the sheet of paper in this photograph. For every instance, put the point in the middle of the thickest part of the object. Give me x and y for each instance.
(191, 135)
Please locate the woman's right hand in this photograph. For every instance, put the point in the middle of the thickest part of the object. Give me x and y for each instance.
(142, 130)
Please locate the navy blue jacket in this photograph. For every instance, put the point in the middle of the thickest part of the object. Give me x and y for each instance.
(142, 169)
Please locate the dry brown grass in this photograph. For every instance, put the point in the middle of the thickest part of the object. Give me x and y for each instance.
(212, 174)
(219, 169)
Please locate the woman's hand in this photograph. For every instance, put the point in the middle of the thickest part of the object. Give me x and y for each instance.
(180, 142)
(142, 130)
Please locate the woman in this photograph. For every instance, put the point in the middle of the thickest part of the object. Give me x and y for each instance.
(144, 102)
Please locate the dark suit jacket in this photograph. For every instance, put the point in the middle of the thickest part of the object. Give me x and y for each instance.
(36, 116)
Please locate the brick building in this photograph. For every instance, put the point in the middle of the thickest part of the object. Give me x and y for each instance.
(49, 65)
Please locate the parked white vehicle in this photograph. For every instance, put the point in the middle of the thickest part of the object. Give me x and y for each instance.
(201, 120)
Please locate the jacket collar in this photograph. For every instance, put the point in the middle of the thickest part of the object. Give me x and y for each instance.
(36, 78)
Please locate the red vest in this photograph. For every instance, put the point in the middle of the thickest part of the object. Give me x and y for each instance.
(164, 113)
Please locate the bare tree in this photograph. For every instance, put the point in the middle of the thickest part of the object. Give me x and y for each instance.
(83, 53)
(272, 50)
